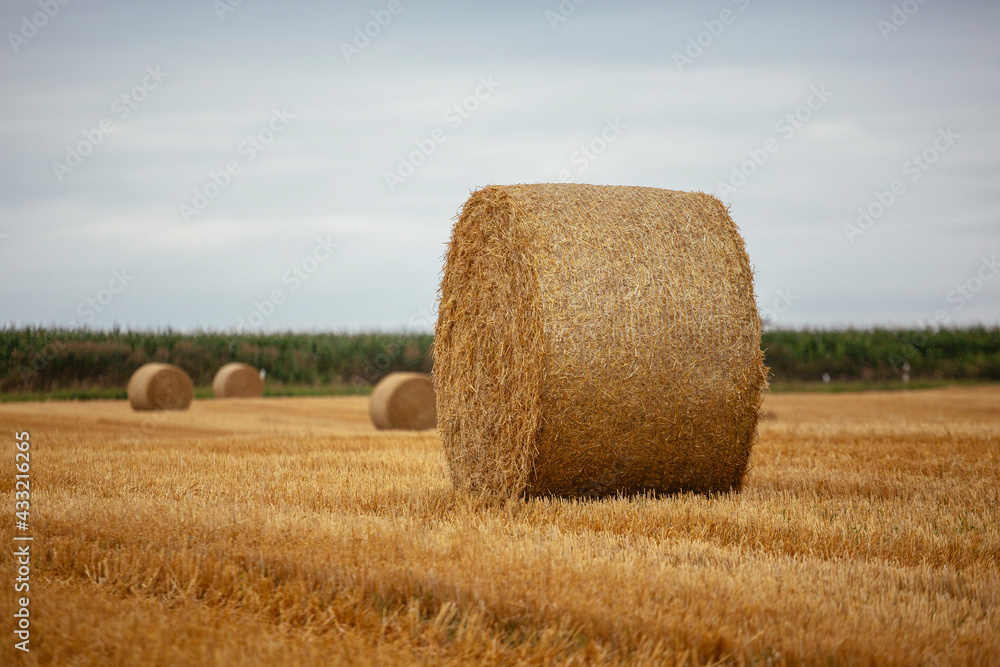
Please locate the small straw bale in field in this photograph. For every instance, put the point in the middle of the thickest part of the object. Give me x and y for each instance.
(403, 401)
(236, 380)
(160, 387)
(594, 340)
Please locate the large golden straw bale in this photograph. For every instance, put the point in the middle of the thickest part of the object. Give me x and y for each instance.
(236, 380)
(160, 387)
(403, 401)
(594, 340)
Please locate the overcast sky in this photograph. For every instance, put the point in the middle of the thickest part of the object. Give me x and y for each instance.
(190, 164)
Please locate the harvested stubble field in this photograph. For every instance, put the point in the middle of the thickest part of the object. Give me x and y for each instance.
(288, 531)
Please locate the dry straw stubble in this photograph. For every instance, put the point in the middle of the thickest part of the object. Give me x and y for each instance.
(594, 340)
(403, 401)
(159, 386)
(237, 380)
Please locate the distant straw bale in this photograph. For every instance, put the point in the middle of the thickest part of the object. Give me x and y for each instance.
(236, 380)
(403, 401)
(594, 340)
(160, 387)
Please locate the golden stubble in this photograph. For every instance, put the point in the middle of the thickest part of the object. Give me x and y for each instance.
(856, 539)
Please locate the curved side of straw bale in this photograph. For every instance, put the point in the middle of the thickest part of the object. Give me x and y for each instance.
(403, 401)
(160, 387)
(489, 346)
(594, 340)
(237, 380)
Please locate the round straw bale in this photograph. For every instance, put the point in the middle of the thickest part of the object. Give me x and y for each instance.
(236, 380)
(403, 401)
(594, 340)
(160, 387)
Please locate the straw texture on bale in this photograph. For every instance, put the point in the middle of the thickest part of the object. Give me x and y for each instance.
(236, 380)
(594, 340)
(403, 401)
(160, 387)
